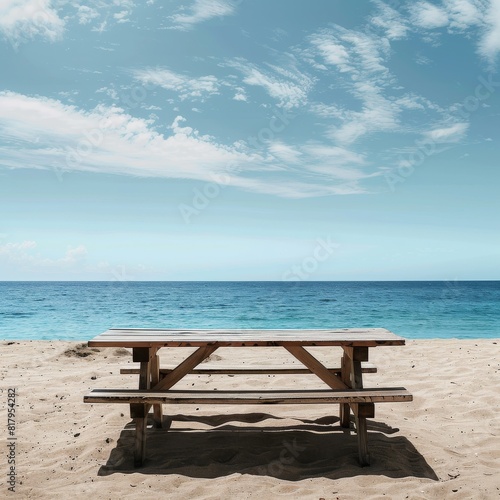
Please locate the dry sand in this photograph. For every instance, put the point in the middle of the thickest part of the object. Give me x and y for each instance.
(445, 444)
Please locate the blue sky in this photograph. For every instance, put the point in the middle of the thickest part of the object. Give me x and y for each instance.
(249, 140)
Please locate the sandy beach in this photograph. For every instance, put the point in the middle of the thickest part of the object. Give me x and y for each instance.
(445, 444)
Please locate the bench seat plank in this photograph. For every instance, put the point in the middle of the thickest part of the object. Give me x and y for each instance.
(231, 370)
(377, 395)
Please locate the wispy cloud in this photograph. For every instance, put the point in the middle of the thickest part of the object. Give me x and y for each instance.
(286, 84)
(122, 16)
(393, 23)
(359, 59)
(240, 95)
(427, 15)
(86, 14)
(479, 17)
(489, 45)
(335, 170)
(24, 253)
(285, 152)
(22, 20)
(105, 139)
(465, 13)
(185, 86)
(202, 10)
(44, 133)
(450, 133)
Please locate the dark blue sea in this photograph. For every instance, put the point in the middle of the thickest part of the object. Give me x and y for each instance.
(413, 309)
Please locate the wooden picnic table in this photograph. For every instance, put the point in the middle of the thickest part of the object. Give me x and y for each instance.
(155, 383)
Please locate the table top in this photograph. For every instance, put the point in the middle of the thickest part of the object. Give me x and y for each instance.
(146, 337)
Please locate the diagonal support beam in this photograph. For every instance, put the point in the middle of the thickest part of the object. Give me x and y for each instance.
(185, 367)
(316, 367)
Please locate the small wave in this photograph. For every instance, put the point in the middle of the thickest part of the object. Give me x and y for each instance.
(14, 314)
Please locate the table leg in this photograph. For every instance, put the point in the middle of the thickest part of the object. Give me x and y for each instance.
(355, 380)
(141, 425)
(345, 409)
(155, 378)
(143, 355)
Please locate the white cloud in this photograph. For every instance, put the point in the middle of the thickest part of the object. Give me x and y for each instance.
(357, 62)
(43, 133)
(240, 95)
(451, 133)
(10, 248)
(350, 51)
(297, 189)
(335, 162)
(122, 16)
(22, 20)
(284, 152)
(378, 114)
(422, 60)
(360, 60)
(327, 110)
(287, 85)
(336, 170)
(395, 26)
(105, 139)
(101, 28)
(427, 15)
(461, 16)
(202, 10)
(118, 11)
(463, 13)
(333, 53)
(24, 253)
(489, 45)
(85, 14)
(185, 86)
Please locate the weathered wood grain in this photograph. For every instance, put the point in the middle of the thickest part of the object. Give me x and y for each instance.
(231, 370)
(143, 337)
(378, 395)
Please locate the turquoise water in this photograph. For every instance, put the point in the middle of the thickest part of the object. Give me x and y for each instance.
(81, 310)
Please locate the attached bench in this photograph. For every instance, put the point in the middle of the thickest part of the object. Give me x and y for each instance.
(134, 369)
(361, 401)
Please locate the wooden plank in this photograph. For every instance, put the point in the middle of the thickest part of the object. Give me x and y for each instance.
(361, 412)
(377, 395)
(185, 367)
(139, 410)
(141, 354)
(356, 375)
(362, 432)
(140, 441)
(231, 370)
(136, 337)
(155, 378)
(345, 410)
(357, 353)
(366, 410)
(316, 367)
(144, 375)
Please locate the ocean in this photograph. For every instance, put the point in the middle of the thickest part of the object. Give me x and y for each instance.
(413, 309)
